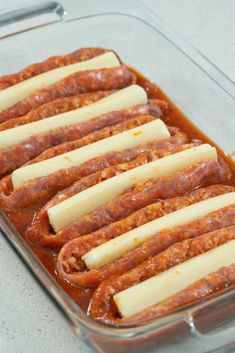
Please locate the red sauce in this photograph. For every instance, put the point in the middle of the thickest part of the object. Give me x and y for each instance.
(174, 117)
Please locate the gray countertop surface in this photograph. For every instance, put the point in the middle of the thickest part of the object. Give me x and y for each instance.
(25, 327)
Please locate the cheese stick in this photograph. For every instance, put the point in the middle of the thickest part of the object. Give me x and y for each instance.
(115, 248)
(122, 99)
(155, 289)
(70, 210)
(21, 90)
(155, 130)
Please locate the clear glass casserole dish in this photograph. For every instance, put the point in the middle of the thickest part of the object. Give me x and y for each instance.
(203, 93)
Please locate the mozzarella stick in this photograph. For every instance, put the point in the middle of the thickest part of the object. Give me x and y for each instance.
(69, 210)
(154, 130)
(115, 248)
(21, 90)
(125, 98)
(100, 306)
(208, 285)
(156, 289)
(53, 62)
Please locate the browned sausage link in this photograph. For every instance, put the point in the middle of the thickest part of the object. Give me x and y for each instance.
(17, 155)
(214, 282)
(79, 82)
(55, 107)
(40, 232)
(206, 172)
(50, 64)
(180, 252)
(69, 258)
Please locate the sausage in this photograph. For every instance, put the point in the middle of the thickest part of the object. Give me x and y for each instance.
(78, 82)
(17, 155)
(39, 231)
(70, 255)
(213, 283)
(58, 106)
(79, 246)
(50, 64)
(122, 206)
(93, 137)
(180, 252)
(162, 240)
(148, 154)
(43, 187)
(6, 186)
(95, 220)
(178, 138)
(52, 178)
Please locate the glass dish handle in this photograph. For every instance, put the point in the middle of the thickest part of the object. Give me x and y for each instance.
(28, 17)
(212, 323)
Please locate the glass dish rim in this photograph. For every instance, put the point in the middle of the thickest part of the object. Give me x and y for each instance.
(67, 306)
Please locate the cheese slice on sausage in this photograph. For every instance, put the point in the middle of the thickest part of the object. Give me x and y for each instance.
(122, 99)
(22, 90)
(115, 248)
(88, 200)
(155, 289)
(154, 130)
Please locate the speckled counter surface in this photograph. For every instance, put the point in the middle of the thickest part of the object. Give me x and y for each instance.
(28, 320)
(25, 327)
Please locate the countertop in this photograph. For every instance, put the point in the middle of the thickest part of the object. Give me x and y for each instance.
(25, 327)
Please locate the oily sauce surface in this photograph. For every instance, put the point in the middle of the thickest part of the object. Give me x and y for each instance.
(21, 219)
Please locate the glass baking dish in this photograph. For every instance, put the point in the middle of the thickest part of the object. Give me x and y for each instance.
(195, 85)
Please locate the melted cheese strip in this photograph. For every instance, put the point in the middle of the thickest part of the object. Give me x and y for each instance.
(88, 200)
(122, 99)
(117, 247)
(155, 130)
(21, 90)
(155, 289)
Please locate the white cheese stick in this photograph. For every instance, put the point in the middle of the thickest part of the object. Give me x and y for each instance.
(117, 247)
(155, 289)
(155, 130)
(70, 210)
(21, 90)
(122, 99)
